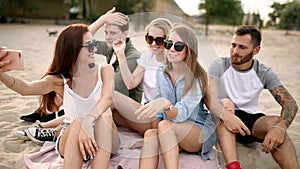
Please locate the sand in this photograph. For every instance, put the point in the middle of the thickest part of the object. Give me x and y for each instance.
(278, 51)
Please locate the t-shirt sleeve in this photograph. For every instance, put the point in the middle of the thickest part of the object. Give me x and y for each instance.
(268, 77)
(144, 59)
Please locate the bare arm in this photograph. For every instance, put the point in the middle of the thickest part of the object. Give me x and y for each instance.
(232, 122)
(107, 74)
(131, 80)
(109, 17)
(288, 104)
(39, 87)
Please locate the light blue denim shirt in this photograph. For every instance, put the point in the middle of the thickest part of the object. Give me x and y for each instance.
(190, 108)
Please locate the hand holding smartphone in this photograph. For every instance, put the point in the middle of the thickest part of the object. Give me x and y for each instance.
(16, 61)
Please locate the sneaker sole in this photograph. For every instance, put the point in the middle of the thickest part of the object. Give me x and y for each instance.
(22, 134)
(33, 139)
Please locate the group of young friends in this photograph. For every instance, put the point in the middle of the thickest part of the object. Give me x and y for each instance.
(183, 107)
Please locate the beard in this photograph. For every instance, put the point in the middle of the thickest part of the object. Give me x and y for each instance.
(241, 59)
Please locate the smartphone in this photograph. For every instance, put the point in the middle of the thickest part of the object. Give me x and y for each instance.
(16, 60)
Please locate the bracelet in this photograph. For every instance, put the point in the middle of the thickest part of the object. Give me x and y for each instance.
(282, 129)
(13, 83)
(92, 116)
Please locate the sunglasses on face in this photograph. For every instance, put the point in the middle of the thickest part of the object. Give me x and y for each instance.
(178, 46)
(158, 40)
(90, 45)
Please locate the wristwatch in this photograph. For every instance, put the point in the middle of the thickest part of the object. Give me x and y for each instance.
(169, 108)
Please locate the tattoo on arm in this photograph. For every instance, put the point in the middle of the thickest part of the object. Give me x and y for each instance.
(287, 102)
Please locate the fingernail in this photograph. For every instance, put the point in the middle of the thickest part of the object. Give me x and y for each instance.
(84, 157)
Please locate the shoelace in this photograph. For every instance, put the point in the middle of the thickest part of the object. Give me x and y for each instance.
(46, 133)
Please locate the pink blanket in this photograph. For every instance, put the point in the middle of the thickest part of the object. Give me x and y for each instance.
(127, 157)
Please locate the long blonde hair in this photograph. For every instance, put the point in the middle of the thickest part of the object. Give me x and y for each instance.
(195, 71)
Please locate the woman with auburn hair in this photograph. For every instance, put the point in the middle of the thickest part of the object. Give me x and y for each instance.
(89, 133)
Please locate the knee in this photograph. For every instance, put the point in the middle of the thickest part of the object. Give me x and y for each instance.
(150, 133)
(228, 104)
(164, 125)
(106, 116)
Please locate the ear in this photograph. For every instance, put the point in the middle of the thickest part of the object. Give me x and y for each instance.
(256, 50)
(125, 33)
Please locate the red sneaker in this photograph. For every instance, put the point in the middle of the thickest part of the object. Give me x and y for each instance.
(233, 165)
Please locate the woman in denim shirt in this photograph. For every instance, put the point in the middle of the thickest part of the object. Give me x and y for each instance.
(182, 121)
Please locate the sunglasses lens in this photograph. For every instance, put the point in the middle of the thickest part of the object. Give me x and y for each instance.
(91, 47)
(159, 41)
(179, 46)
(168, 44)
(149, 39)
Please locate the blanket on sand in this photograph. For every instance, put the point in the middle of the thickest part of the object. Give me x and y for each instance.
(127, 156)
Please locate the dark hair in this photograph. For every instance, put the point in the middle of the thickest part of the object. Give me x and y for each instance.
(252, 31)
(67, 48)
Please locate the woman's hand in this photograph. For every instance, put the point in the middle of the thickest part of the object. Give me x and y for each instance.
(3, 63)
(119, 48)
(87, 143)
(152, 108)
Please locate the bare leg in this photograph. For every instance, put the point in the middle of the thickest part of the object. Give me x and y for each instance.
(104, 138)
(227, 139)
(149, 154)
(68, 146)
(123, 113)
(285, 154)
(175, 136)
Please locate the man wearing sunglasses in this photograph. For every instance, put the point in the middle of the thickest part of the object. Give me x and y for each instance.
(239, 79)
(116, 28)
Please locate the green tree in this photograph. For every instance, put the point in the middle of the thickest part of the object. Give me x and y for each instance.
(276, 14)
(290, 18)
(227, 11)
(132, 6)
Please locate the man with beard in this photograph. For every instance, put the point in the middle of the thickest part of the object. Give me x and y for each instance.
(239, 79)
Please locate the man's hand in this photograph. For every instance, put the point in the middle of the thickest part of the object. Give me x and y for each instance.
(234, 124)
(112, 17)
(274, 138)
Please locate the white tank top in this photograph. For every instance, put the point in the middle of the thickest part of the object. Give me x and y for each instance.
(76, 106)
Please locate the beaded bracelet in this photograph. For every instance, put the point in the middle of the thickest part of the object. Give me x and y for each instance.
(282, 129)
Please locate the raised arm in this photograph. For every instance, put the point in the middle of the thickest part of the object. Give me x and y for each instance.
(109, 17)
(39, 87)
(288, 104)
(133, 79)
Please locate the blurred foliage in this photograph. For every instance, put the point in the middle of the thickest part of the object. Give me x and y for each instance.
(285, 16)
(290, 18)
(228, 12)
(134, 6)
(3, 4)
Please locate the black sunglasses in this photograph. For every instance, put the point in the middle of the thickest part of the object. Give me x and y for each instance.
(178, 46)
(90, 45)
(158, 40)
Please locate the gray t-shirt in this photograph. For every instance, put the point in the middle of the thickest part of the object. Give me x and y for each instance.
(242, 87)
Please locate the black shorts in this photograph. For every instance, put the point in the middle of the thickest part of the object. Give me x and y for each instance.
(249, 120)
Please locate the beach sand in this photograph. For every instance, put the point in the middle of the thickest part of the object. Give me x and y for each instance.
(279, 51)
